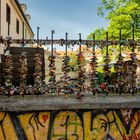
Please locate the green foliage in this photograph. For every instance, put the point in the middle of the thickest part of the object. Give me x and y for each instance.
(123, 14)
(100, 34)
(113, 52)
(100, 69)
(100, 77)
(112, 69)
(73, 61)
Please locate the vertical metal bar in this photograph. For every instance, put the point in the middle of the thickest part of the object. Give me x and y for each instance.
(106, 43)
(80, 43)
(66, 39)
(94, 42)
(133, 37)
(52, 32)
(120, 39)
(107, 60)
(38, 34)
(46, 38)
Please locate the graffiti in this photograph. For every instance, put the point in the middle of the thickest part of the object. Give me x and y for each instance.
(134, 137)
(3, 115)
(112, 124)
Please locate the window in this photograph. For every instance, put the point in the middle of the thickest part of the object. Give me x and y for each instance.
(8, 14)
(17, 26)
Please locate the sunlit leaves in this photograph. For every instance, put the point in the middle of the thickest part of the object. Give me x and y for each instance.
(123, 14)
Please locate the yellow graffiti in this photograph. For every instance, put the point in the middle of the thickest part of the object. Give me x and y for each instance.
(96, 130)
(71, 125)
(35, 125)
(7, 131)
(118, 129)
(67, 125)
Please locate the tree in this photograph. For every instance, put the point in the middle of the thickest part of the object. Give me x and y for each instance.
(123, 14)
(100, 34)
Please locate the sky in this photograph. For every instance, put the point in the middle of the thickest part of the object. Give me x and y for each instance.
(72, 16)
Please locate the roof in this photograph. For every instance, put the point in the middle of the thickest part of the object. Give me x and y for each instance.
(19, 7)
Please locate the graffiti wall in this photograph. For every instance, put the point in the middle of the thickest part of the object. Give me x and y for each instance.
(71, 125)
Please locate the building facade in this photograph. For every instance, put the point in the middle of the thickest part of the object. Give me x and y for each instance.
(14, 21)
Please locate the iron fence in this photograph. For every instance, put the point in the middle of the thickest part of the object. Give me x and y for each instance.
(122, 82)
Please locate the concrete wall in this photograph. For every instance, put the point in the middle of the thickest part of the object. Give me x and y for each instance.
(66, 118)
(114, 124)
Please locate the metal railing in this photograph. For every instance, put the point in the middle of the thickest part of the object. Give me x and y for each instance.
(66, 84)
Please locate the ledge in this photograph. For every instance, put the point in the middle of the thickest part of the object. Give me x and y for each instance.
(43, 102)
